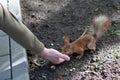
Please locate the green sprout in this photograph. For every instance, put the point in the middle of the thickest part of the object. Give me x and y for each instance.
(97, 9)
(113, 30)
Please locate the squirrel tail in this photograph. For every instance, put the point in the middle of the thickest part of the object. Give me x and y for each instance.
(100, 24)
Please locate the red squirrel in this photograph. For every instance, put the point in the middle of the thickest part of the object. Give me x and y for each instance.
(87, 41)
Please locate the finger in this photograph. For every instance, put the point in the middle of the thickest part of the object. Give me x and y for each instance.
(57, 61)
(60, 60)
(63, 56)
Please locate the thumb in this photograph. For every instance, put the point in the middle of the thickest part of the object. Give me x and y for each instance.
(63, 56)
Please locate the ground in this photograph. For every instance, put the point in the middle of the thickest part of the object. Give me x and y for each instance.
(50, 20)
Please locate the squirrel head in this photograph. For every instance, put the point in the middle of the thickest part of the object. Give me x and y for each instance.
(92, 44)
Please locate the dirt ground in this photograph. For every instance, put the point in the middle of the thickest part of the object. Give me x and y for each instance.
(50, 20)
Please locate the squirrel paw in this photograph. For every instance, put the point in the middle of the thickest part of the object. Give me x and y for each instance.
(78, 57)
(92, 51)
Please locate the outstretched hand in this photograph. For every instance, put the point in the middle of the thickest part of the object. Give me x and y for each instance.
(54, 56)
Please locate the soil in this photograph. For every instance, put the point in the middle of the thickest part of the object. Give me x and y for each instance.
(50, 20)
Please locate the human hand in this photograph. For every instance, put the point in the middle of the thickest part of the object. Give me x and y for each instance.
(54, 56)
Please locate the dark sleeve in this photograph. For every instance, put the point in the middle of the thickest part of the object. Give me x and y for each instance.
(19, 32)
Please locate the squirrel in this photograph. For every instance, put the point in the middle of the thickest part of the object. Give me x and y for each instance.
(101, 23)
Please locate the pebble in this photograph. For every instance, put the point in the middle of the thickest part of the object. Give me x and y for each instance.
(118, 55)
(52, 67)
(74, 68)
(45, 77)
(93, 60)
(71, 70)
(52, 44)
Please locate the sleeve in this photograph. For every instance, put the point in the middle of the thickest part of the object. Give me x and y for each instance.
(19, 32)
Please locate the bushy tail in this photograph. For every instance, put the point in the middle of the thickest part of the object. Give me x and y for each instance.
(100, 23)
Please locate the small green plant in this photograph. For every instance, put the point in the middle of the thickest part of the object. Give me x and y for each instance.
(117, 32)
(97, 9)
(113, 30)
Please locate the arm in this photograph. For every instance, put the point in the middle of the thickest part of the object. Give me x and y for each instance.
(22, 35)
(19, 32)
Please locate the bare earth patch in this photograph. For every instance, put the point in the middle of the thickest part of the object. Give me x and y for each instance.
(50, 20)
